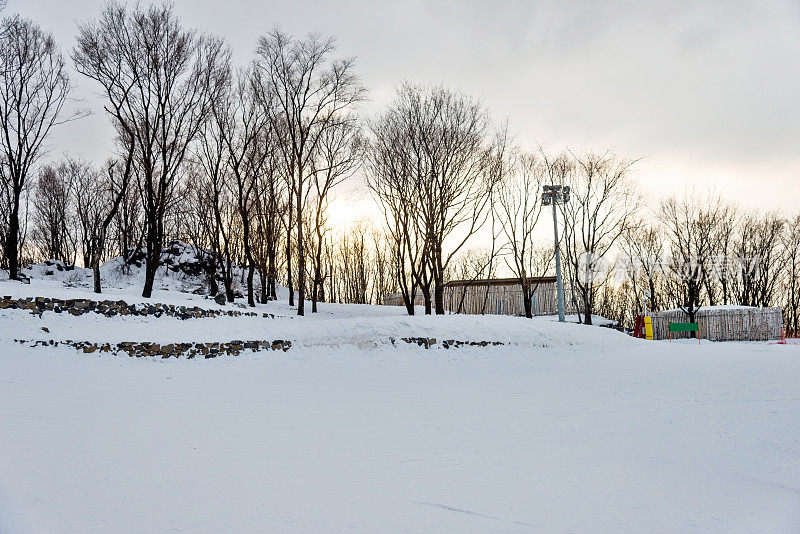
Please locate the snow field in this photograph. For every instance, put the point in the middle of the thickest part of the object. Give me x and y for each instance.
(565, 428)
(656, 438)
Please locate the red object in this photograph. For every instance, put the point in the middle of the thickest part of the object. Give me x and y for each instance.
(638, 329)
(782, 340)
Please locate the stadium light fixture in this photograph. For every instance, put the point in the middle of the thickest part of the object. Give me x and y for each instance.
(551, 196)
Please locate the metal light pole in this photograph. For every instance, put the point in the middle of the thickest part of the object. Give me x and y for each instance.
(557, 194)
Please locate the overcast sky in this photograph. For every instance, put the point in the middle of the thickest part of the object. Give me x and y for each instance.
(708, 93)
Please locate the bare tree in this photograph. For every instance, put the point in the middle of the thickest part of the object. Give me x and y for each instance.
(127, 225)
(199, 224)
(602, 206)
(248, 141)
(313, 92)
(34, 87)
(518, 206)
(791, 247)
(53, 234)
(462, 167)
(353, 259)
(718, 271)
(390, 178)
(270, 209)
(98, 195)
(759, 253)
(212, 192)
(161, 82)
(454, 164)
(337, 157)
(83, 179)
(688, 223)
(642, 249)
(474, 264)
(113, 189)
(383, 280)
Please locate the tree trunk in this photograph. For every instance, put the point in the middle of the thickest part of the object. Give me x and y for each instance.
(653, 303)
(96, 273)
(271, 275)
(228, 278)
(425, 287)
(250, 272)
(98, 250)
(438, 292)
(587, 311)
(248, 250)
(152, 258)
(317, 269)
(211, 274)
(426, 297)
(314, 296)
(289, 251)
(526, 299)
(263, 278)
(11, 247)
(12, 242)
(438, 280)
(149, 277)
(692, 312)
(289, 270)
(301, 256)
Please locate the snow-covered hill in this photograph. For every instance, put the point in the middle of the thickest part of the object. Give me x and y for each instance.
(562, 428)
(181, 281)
(182, 269)
(652, 437)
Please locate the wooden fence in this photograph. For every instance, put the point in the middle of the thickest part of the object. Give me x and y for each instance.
(499, 299)
(724, 324)
(495, 297)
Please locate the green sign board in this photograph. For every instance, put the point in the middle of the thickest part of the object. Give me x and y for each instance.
(683, 327)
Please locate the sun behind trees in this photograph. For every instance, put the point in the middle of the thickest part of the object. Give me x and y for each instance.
(313, 95)
(245, 163)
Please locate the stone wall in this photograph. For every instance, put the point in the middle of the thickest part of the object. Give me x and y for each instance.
(214, 349)
(111, 308)
(167, 350)
(429, 342)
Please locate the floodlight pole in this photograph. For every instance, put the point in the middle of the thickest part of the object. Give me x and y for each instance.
(559, 284)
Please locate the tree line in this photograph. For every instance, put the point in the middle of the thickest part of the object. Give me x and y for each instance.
(242, 163)
(694, 250)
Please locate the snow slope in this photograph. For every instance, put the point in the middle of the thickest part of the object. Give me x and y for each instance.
(181, 271)
(658, 438)
(566, 428)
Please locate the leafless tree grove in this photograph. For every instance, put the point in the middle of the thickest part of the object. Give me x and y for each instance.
(435, 161)
(603, 204)
(33, 90)
(246, 163)
(161, 82)
(518, 204)
(310, 93)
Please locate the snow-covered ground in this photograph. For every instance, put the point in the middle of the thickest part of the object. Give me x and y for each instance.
(565, 428)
